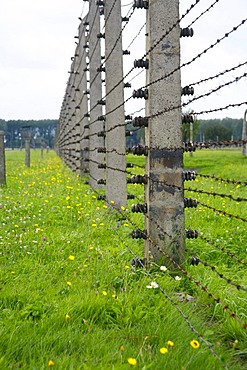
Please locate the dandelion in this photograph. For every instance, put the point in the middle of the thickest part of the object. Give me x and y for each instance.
(51, 363)
(163, 350)
(132, 361)
(122, 208)
(104, 292)
(69, 283)
(194, 343)
(121, 348)
(71, 258)
(163, 268)
(114, 296)
(153, 285)
(170, 343)
(177, 278)
(67, 317)
(94, 225)
(127, 267)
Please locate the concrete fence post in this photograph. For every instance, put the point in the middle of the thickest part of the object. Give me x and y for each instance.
(2, 160)
(116, 182)
(83, 104)
(27, 152)
(95, 142)
(164, 220)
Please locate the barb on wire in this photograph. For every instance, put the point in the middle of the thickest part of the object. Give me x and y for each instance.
(222, 212)
(222, 249)
(229, 196)
(228, 181)
(214, 269)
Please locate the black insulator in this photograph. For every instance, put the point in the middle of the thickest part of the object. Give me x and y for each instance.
(101, 102)
(101, 69)
(101, 118)
(86, 23)
(100, 2)
(101, 11)
(85, 69)
(101, 36)
(125, 19)
(127, 84)
(191, 234)
(139, 94)
(190, 203)
(86, 115)
(101, 181)
(101, 134)
(131, 196)
(194, 261)
(86, 160)
(129, 165)
(186, 32)
(87, 92)
(86, 137)
(189, 147)
(86, 46)
(137, 179)
(101, 150)
(86, 126)
(139, 150)
(128, 133)
(140, 4)
(139, 234)
(86, 182)
(139, 208)
(102, 165)
(126, 52)
(128, 118)
(86, 149)
(138, 262)
(187, 90)
(101, 197)
(77, 107)
(189, 175)
(140, 63)
(187, 118)
(140, 122)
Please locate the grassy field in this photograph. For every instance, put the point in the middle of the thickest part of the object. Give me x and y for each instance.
(70, 298)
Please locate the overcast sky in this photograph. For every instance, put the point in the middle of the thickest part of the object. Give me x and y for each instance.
(37, 42)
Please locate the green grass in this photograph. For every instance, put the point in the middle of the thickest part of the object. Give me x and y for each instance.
(64, 253)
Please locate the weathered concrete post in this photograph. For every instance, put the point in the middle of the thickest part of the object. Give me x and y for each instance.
(83, 104)
(27, 152)
(116, 182)
(95, 142)
(244, 138)
(164, 165)
(2, 160)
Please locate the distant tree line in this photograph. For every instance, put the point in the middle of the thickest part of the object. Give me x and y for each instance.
(203, 130)
(42, 132)
(214, 130)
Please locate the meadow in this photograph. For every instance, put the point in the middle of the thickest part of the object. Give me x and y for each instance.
(70, 297)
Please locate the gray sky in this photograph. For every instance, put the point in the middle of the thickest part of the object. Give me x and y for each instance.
(37, 41)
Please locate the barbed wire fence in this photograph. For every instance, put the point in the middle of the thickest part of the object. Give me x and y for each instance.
(93, 124)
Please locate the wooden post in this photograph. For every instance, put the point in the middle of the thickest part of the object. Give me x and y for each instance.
(163, 193)
(116, 183)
